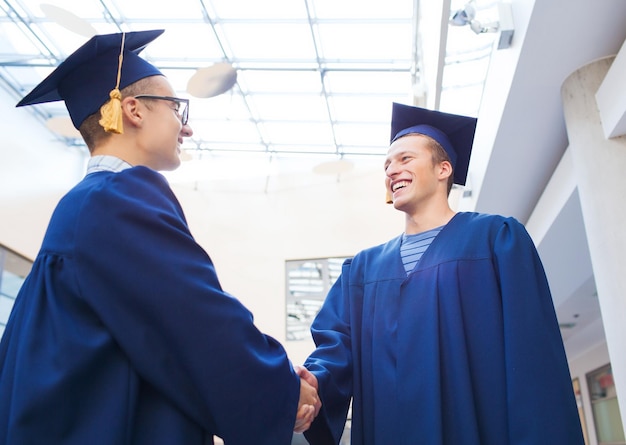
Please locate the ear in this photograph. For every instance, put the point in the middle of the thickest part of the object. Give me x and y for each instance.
(134, 112)
(445, 170)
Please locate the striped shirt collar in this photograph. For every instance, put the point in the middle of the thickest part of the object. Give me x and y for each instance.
(106, 163)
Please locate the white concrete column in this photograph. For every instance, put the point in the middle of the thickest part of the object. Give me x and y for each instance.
(600, 170)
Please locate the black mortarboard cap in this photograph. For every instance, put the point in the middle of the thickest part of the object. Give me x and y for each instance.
(85, 79)
(453, 132)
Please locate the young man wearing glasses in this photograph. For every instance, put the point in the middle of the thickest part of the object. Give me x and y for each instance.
(122, 333)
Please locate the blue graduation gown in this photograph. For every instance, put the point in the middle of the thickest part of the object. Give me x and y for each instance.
(122, 334)
(466, 350)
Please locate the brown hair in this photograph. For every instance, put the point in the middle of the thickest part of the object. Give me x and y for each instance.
(440, 155)
(91, 130)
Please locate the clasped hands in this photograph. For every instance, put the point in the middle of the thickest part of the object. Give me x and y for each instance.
(309, 404)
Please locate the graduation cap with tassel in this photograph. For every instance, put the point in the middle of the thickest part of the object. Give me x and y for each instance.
(85, 78)
(453, 132)
(111, 112)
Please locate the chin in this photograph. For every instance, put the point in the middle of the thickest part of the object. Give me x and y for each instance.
(399, 204)
(170, 166)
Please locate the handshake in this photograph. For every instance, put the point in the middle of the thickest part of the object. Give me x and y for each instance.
(309, 404)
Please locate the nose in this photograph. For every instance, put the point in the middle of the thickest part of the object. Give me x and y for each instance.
(391, 170)
(186, 131)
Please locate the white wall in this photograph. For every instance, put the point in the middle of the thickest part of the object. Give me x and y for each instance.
(599, 164)
(592, 359)
(250, 233)
(35, 170)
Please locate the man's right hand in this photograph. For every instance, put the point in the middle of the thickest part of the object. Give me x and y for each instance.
(309, 404)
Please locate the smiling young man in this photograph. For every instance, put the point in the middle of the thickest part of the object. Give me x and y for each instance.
(445, 335)
(121, 333)
(417, 174)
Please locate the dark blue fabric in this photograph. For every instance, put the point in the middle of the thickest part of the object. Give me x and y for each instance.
(85, 79)
(453, 132)
(466, 350)
(122, 333)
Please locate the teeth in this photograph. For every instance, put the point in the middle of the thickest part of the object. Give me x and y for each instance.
(399, 185)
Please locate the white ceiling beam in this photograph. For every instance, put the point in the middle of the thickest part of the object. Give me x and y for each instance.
(611, 97)
(432, 35)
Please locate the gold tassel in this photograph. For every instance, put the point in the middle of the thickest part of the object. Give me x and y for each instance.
(388, 198)
(111, 112)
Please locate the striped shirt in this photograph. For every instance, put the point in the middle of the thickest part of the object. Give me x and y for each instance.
(106, 163)
(414, 246)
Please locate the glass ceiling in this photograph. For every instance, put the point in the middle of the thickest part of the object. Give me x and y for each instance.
(315, 78)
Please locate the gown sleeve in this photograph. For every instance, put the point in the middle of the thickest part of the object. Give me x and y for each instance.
(533, 347)
(331, 362)
(157, 292)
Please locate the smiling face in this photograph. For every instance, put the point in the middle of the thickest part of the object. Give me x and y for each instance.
(163, 131)
(413, 178)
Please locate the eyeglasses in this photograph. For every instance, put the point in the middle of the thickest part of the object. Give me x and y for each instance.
(182, 105)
